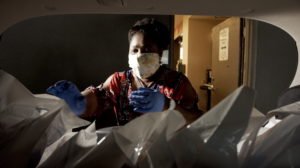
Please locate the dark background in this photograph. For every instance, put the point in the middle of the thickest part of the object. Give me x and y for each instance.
(85, 49)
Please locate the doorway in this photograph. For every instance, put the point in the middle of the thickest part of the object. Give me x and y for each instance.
(214, 70)
(227, 59)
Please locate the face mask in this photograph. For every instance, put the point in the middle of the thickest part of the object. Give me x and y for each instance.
(144, 65)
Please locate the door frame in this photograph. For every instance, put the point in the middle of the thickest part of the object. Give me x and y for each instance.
(250, 52)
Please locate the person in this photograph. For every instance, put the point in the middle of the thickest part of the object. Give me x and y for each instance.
(147, 87)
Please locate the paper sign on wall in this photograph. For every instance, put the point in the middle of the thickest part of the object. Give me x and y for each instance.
(224, 44)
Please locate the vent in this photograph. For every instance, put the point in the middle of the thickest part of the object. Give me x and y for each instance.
(114, 3)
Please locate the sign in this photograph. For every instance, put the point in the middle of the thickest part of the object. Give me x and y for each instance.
(223, 46)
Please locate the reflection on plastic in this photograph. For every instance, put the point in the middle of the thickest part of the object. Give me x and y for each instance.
(65, 154)
(128, 144)
(211, 140)
(280, 145)
(229, 135)
(29, 124)
(151, 140)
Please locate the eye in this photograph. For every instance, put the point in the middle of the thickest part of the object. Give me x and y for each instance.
(134, 51)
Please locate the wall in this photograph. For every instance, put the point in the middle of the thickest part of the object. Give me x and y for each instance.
(276, 65)
(176, 55)
(178, 30)
(276, 61)
(178, 20)
(197, 48)
(85, 49)
(185, 40)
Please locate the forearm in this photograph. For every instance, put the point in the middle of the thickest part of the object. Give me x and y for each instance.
(190, 115)
(91, 103)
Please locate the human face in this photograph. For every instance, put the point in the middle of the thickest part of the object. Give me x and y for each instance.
(142, 44)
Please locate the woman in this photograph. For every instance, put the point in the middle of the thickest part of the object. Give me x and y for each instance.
(147, 87)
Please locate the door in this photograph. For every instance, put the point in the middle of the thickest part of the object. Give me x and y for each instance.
(225, 59)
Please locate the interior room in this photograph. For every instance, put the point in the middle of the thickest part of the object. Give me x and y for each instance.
(195, 84)
(47, 52)
(197, 52)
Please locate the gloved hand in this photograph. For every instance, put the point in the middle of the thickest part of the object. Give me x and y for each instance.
(72, 96)
(147, 100)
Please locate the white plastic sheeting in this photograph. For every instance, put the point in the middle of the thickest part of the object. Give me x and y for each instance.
(226, 136)
(280, 145)
(29, 124)
(70, 148)
(151, 140)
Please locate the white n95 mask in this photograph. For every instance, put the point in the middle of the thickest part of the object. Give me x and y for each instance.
(144, 65)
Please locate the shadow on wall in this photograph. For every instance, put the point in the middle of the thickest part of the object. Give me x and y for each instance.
(85, 49)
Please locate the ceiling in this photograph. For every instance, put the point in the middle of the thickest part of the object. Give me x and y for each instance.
(179, 18)
(284, 14)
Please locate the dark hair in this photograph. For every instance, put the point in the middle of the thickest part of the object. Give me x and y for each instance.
(157, 31)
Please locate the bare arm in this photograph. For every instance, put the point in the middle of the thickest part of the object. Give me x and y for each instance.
(190, 114)
(91, 100)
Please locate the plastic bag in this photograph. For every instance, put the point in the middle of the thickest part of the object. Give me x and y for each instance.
(127, 145)
(211, 141)
(67, 152)
(254, 121)
(151, 140)
(279, 146)
(159, 154)
(28, 123)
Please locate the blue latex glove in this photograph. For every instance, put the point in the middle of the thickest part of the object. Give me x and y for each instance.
(72, 96)
(147, 100)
